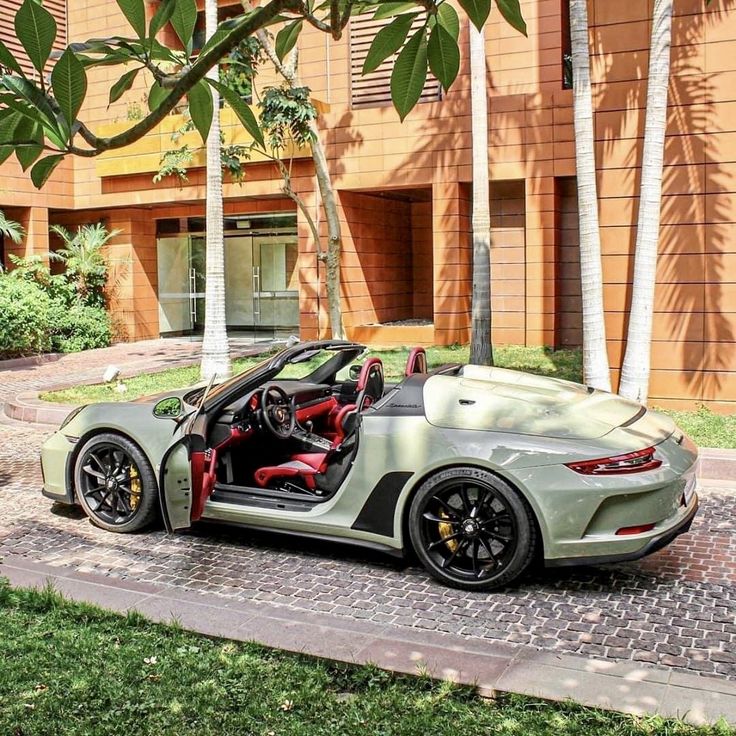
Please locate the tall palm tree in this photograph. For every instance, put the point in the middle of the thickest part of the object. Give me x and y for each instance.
(636, 365)
(215, 344)
(481, 351)
(11, 229)
(595, 356)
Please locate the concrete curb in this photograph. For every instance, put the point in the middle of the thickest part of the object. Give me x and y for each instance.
(497, 668)
(29, 361)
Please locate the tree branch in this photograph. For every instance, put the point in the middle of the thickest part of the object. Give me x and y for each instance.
(256, 20)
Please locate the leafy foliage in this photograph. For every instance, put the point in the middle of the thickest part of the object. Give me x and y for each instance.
(286, 114)
(35, 115)
(78, 327)
(62, 312)
(84, 262)
(24, 328)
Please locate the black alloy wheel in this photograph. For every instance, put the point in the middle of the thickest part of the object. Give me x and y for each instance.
(115, 484)
(471, 529)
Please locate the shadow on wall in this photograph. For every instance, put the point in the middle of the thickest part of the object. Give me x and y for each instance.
(695, 205)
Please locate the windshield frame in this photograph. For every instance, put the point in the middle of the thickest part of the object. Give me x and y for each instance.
(269, 368)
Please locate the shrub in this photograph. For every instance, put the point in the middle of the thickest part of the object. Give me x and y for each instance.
(24, 324)
(78, 327)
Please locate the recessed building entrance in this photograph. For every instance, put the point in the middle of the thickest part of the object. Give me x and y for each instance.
(261, 277)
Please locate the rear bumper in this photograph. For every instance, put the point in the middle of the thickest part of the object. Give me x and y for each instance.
(652, 544)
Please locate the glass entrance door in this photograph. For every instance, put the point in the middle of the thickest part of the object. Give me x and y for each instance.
(261, 283)
(261, 280)
(181, 269)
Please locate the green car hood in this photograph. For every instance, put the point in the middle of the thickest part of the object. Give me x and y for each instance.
(500, 400)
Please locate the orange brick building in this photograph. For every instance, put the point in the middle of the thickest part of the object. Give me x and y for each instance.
(404, 194)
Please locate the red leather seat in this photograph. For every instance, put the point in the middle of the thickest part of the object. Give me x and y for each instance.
(305, 466)
(416, 362)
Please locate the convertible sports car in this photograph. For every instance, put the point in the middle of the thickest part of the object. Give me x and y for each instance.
(476, 469)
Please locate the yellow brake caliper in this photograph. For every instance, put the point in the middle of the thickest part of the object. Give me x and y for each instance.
(135, 487)
(446, 531)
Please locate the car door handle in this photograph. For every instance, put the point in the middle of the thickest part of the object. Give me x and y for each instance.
(466, 402)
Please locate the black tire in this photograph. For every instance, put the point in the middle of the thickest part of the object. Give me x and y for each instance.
(115, 484)
(471, 529)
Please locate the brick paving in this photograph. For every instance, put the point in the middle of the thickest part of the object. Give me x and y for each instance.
(676, 608)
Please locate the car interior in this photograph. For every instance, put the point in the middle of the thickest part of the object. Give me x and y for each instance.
(294, 439)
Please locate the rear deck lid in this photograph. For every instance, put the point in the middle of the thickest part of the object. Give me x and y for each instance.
(500, 400)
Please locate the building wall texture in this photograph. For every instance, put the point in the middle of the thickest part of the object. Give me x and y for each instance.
(404, 193)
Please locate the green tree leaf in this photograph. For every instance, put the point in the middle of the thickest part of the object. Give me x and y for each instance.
(201, 108)
(35, 28)
(29, 141)
(8, 60)
(43, 169)
(477, 11)
(286, 38)
(156, 96)
(161, 17)
(388, 9)
(135, 12)
(5, 153)
(243, 111)
(69, 81)
(409, 74)
(447, 17)
(184, 19)
(123, 85)
(444, 55)
(388, 41)
(511, 11)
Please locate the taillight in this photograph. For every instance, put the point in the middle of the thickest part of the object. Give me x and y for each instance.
(631, 462)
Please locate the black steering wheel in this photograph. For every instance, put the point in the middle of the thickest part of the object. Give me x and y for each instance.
(278, 414)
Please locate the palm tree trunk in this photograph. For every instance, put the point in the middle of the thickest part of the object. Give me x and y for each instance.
(636, 366)
(595, 356)
(481, 351)
(215, 345)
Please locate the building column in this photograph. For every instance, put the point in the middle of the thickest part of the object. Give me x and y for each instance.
(452, 262)
(540, 261)
(35, 222)
(133, 276)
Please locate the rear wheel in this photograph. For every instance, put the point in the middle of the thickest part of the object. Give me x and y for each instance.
(115, 484)
(471, 529)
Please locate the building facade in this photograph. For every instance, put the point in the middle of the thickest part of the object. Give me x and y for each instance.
(404, 193)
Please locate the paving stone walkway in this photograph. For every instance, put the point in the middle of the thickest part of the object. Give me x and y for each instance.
(676, 608)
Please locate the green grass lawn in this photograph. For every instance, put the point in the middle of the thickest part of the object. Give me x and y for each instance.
(73, 670)
(706, 428)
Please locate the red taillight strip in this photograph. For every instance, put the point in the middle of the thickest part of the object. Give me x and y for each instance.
(630, 462)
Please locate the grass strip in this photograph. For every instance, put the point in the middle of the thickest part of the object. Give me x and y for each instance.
(72, 669)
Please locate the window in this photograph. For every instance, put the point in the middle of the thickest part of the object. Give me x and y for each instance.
(8, 9)
(566, 46)
(374, 89)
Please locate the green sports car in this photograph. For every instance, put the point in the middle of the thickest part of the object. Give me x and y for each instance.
(475, 469)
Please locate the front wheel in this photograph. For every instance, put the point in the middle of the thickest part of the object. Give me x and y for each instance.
(115, 484)
(471, 529)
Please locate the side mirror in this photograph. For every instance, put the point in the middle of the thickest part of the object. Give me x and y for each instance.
(169, 408)
(355, 372)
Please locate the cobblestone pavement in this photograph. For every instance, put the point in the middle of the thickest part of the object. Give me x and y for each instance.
(676, 608)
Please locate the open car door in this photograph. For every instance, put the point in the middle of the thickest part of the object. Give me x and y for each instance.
(181, 482)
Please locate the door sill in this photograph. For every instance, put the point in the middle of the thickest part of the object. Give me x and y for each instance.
(263, 498)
